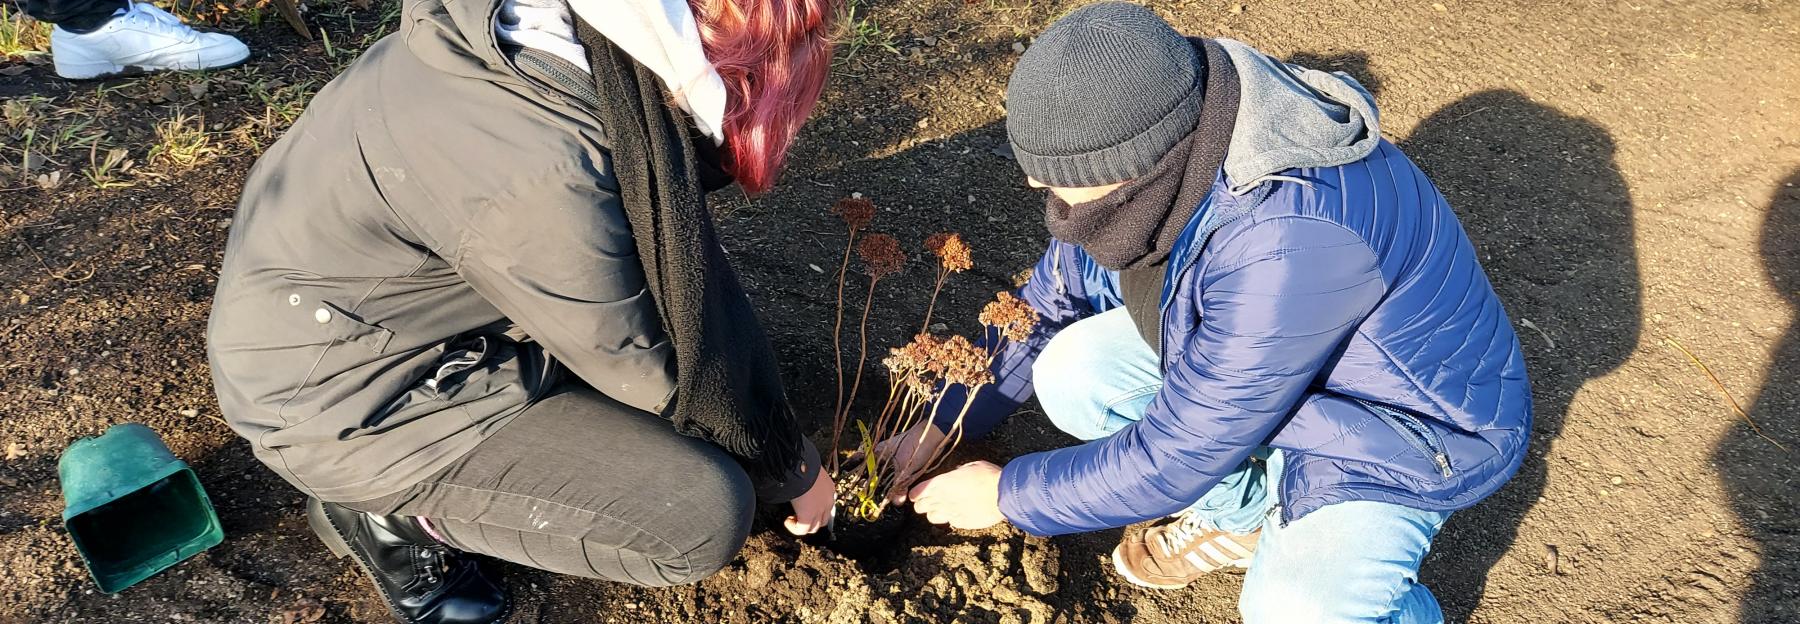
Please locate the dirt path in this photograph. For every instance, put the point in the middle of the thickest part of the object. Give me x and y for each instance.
(1630, 171)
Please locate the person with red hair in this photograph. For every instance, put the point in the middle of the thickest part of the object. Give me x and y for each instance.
(473, 302)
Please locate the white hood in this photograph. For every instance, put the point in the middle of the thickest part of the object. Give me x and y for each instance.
(660, 34)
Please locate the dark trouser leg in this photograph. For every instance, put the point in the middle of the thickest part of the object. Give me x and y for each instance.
(581, 484)
(74, 15)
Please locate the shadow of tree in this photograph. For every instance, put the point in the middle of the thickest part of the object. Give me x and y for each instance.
(1540, 194)
(1760, 478)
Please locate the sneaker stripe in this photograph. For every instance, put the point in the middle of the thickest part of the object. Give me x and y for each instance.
(1233, 546)
(1213, 553)
(1199, 563)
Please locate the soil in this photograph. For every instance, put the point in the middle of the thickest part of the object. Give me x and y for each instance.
(1629, 170)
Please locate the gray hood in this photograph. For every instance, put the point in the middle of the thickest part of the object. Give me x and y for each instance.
(1292, 117)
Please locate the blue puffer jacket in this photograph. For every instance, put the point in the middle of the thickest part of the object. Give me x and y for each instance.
(1336, 313)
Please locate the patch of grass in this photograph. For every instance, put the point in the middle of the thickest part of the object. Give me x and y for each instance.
(20, 35)
(282, 104)
(857, 32)
(34, 133)
(24, 113)
(104, 171)
(182, 141)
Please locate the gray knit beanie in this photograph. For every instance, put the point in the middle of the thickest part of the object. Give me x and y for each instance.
(1102, 96)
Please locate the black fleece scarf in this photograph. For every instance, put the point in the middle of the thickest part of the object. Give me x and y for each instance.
(1136, 225)
(728, 389)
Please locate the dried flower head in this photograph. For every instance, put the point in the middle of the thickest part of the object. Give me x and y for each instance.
(1012, 316)
(1022, 278)
(881, 255)
(855, 211)
(951, 250)
(964, 363)
(911, 357)
(918, 363)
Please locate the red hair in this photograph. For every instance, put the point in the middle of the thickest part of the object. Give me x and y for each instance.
(774, 56)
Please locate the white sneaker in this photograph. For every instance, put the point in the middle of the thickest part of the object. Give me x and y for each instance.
(145, 38)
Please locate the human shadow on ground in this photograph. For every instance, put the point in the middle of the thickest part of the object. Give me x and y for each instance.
(1541, 196)
(1759, 476)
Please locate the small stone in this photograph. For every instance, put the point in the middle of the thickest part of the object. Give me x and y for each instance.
(190, 413)
(1618, 480)
(1439, 7)
(1018, 47)
(1237, 8)
(929, 40)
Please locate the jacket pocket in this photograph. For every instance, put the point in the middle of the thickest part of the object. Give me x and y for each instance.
(453, 369)
(1416, 433)
(344, 327)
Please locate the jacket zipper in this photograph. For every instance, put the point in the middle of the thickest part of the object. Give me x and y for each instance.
(1421, 437)
(564, 74)
(1198, 245)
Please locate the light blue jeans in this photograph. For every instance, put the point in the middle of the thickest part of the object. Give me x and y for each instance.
(1355, 561)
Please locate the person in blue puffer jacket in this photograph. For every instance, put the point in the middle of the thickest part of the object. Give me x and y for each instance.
(1265, 322)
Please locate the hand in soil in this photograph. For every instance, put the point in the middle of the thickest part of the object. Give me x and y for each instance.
(813, 510)
(965, 498)
(908, 452)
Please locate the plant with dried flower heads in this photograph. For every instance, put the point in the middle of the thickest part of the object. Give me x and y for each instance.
(920, 373)
(953, 257)
(856, 212)
(920, 376)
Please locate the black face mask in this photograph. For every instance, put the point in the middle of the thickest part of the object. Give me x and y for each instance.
(1136, 225)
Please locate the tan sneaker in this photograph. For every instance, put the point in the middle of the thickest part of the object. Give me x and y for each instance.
(1169, 556)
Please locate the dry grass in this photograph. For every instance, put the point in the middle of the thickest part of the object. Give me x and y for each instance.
(182, 141)
(20, 35)
(38, 139)
(104, 171)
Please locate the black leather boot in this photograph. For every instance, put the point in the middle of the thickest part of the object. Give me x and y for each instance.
(424, 581)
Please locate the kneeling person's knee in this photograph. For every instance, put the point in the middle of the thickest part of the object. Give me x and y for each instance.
(715, 509)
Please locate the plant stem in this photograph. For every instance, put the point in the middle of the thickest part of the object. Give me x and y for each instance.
(929, 307)
(838, 412)
(956, 429)
(862, 355)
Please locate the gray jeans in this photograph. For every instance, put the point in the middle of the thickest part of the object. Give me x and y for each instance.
(582, 484)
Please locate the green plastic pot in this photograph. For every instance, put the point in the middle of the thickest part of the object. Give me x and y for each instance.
(133, 508)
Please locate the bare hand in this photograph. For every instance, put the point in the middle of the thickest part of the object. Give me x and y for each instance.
(965, 498)
(813, 510)
(908, 453)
